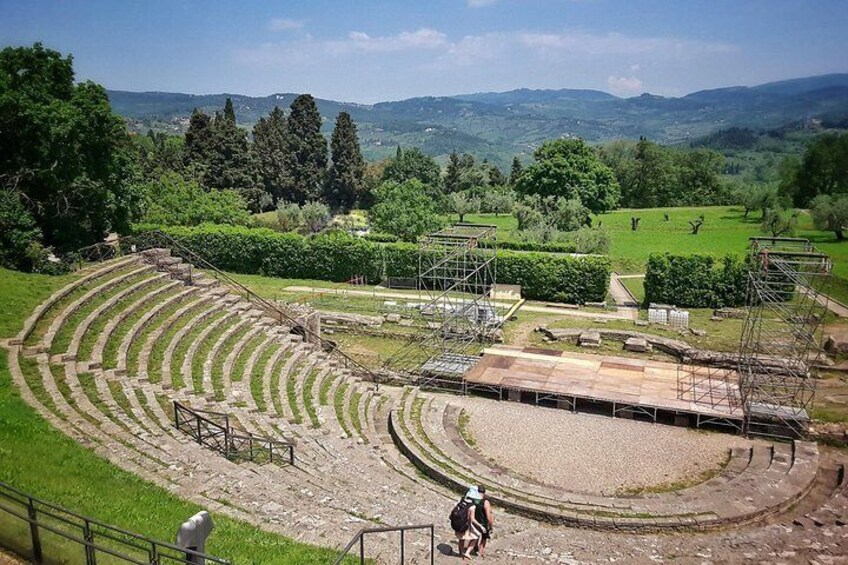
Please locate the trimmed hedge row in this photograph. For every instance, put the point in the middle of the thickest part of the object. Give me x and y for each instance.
(337, 256)
(560, 247)
(696, 281)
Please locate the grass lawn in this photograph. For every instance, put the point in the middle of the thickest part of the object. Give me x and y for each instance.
(42, 461)
(725, 231)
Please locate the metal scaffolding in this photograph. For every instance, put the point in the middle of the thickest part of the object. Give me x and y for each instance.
(780, 342)
(456, 277)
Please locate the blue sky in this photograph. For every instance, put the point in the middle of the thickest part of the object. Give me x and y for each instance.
(367, 51)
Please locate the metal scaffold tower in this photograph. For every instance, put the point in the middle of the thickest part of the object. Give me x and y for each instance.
(780, 342)
(456, 277)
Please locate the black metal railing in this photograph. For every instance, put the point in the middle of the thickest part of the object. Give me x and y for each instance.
(213, 430)
(156, 238)
(359, 538)
(54, 532)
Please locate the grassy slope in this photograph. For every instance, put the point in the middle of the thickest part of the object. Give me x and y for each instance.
(724, 231)
(41, 460)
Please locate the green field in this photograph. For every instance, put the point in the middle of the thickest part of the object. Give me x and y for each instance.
(40, 460)
(725, 230)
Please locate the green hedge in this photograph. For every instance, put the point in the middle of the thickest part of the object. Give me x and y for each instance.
(695, 281)
(337, 256)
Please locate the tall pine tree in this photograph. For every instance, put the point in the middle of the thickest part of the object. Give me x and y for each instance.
(453, 174)
(516, 171)
(306, 152)
(230, 162)
(345, 179)
(198, 140)
(269, 148)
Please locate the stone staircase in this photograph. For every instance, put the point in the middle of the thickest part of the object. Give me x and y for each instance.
(104, 358)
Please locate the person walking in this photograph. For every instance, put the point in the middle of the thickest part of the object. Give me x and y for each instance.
(464, 522)
(483, 516)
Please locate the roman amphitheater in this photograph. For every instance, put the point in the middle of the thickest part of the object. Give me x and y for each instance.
(189, 383)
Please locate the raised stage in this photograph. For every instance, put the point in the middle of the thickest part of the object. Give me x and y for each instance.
(622, 386)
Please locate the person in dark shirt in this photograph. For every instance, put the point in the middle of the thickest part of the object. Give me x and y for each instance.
(483, 515)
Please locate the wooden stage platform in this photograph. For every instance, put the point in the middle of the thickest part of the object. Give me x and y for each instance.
(628, 387)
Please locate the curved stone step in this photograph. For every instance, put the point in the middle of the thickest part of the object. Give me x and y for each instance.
(187, 366)
(148, 318)
(154, 293)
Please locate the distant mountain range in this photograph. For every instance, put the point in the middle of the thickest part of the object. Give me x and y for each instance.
(498, 125)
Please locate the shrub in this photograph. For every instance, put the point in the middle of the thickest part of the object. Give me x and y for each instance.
(695, 281)
(289, 217)
(338, 256)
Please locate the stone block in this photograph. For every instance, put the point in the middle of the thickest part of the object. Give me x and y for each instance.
(393, 318)
(637, 344)
(589, 339)
(406, 322)
(836, 345)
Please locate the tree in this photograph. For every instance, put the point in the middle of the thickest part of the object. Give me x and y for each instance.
(70, 155)
(231, 164)
(453, 174)
(461, 203)
(830, 213)
(527, 216)
(779, 222)
(289, 217)
(495, 176)
(823, 169)
(515, 171)
(198, 141)
(269, 149)
(498, 202)
(306, 152)
(18, 231)
(345, 181)
(569, 168)
(403, 209)
(412, 164)
(159, 153)
(172, 200)
(315, 216)
(698, 177)
(570, 214)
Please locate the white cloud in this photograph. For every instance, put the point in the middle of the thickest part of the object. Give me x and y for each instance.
(624, 85)
(284, 24)
(427, 61)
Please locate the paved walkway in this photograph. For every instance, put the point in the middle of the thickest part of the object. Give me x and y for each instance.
(620, 293)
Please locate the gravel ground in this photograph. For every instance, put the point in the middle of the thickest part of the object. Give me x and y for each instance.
(589, 453)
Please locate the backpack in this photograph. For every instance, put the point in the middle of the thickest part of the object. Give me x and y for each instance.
(459, 516)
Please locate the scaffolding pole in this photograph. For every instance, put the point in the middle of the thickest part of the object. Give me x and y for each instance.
(456, 277)
(780, 342)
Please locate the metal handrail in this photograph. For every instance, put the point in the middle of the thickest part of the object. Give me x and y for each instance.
(231, 437)
(32, 507)
(166, 240)
(360, 538)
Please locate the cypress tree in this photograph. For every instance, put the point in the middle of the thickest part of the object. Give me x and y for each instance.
(453, 174)
(345, 179)
(198, 139)
(306, 152)
(229, 112)
(230, 163)
(269, 148)
(516, 171)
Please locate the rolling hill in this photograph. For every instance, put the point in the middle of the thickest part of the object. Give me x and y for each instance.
(498, 125)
